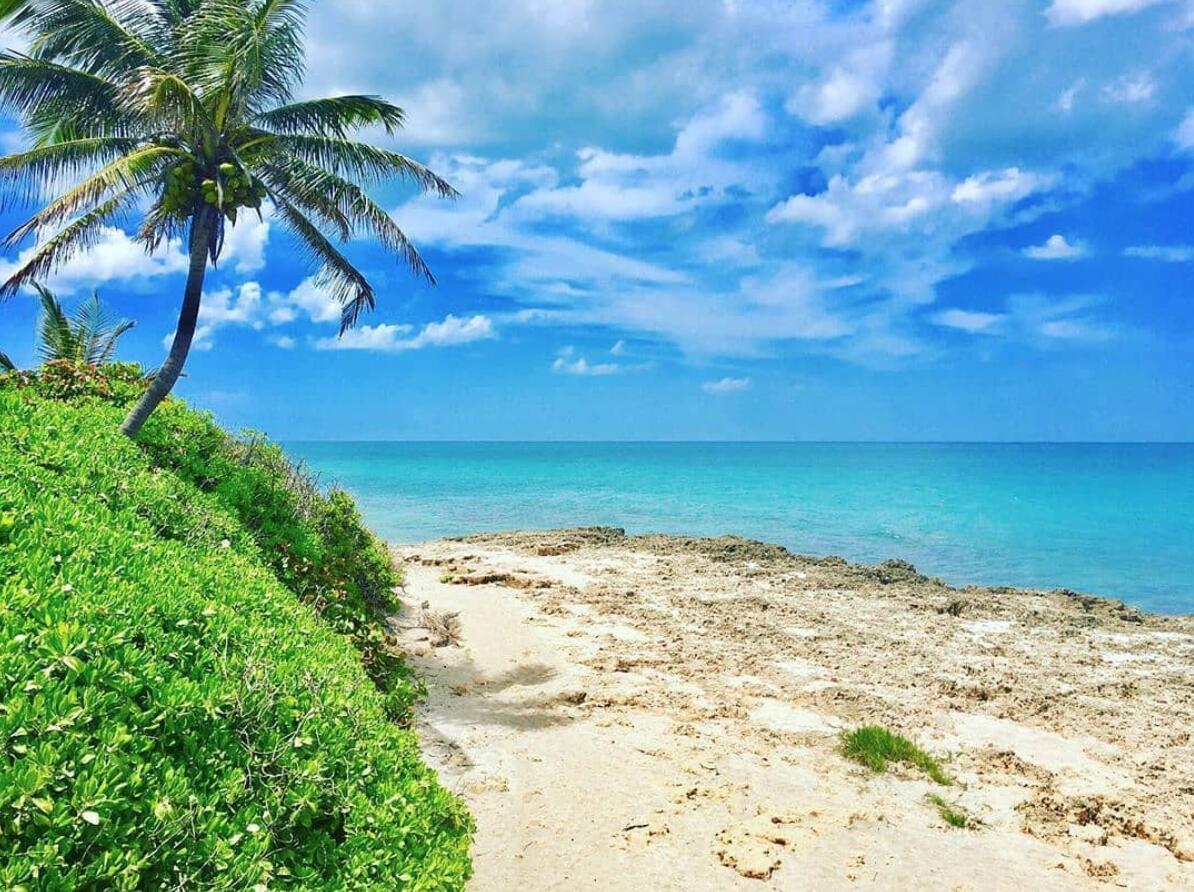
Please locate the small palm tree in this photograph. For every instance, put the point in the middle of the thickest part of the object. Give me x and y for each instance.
(186, 108)
(89, 338)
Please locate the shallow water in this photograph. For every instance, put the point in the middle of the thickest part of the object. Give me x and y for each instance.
(1116, 520)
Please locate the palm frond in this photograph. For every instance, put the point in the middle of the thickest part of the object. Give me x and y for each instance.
(309, 190)
(357, 211)
(78, 236)
(105, 346)
(359, 161)
(6, 364)
(37, 168)
(170, 105)
(15, 12)
(56, 338)
(343, 281)
(95, 332)
(87, 337)
(159, 226)
(335, 116)
(246, 55)
(102, 38)
(174, 13)
(48, 94)
(130, 172)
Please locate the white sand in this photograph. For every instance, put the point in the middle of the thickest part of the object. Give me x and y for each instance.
(662, 714)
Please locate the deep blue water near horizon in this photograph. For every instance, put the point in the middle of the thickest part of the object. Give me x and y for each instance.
(1111, 519)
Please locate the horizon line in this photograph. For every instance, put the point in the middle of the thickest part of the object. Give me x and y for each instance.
(712, 442)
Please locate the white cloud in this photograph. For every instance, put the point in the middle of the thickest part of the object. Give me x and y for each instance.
(726, 385)
(1055, 320)
(903, 203)
(387, 338)
(1072, 330)
(1079, 12)
(618, 348)
(1056, 247)
(1184, 135)
(383, 337)
(116, 257)
(282, 342)
(307, 298)
(223, 307)
(968, 321)
(732, 248)
(846, 92)
(847, 211)
(245, 243)
(581, 366)
(201, 340)
(1166, 253)
(1034, 319)
(453, 331)
(997, 186)
(438, 114)
(1130, 89)
(544, 263)
(627, 187)
(1065, 102)
(922, 124)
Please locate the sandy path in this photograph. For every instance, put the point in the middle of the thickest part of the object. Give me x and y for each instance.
(664, 714)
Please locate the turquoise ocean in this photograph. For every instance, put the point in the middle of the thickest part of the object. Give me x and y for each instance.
(1114, 520)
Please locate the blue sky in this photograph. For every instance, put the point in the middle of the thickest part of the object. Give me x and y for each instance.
(728, 219)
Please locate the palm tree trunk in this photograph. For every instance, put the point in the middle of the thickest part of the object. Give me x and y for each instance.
(202, 232)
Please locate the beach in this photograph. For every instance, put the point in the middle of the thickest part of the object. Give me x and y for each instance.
(652, 712)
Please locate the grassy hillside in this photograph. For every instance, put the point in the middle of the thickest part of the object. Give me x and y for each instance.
(197, 691)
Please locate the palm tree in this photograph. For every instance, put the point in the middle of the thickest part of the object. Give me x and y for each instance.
(89, 338)
(186, 109)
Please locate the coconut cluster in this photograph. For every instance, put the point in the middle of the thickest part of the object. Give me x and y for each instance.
(226, 188)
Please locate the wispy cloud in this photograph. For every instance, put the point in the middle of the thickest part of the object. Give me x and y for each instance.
(1166, 253)
(581, 366)
(387, 338)
(1079, 12)
(969, 321)
(568, 362)
(1038, 318)
(726, 385)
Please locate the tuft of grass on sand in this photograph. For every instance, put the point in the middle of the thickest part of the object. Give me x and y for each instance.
(876, 747)
(951, 814)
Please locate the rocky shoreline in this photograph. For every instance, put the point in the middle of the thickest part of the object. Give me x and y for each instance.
(1066, 718)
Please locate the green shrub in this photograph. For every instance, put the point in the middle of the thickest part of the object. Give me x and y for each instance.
(118, 383)
(316, 545)
(171, 715)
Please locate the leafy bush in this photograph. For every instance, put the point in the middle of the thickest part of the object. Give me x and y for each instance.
(171, 715)
(118, 383)
(316, 545)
